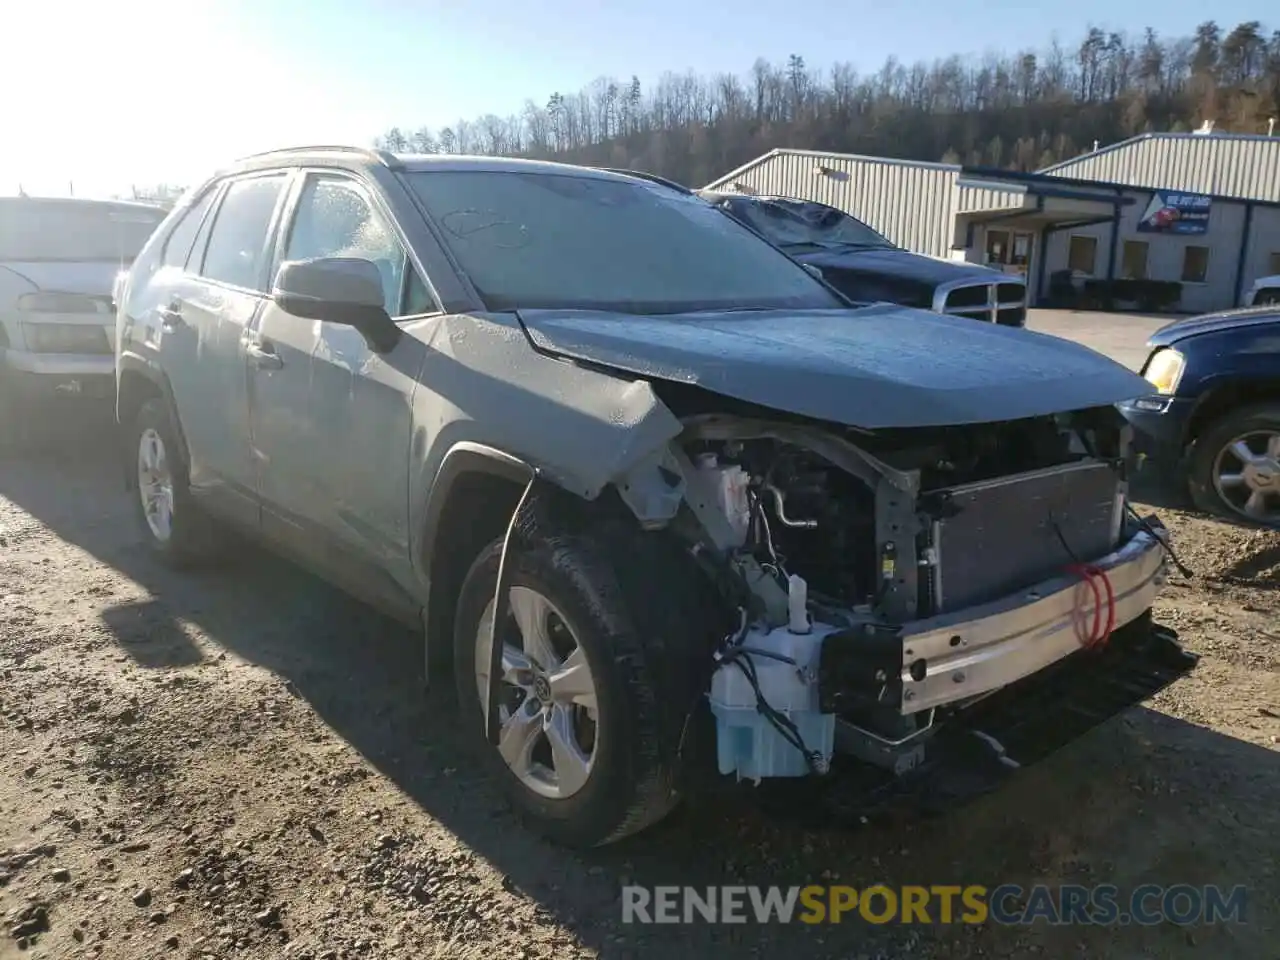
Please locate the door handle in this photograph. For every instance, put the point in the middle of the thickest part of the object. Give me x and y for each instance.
(171, 318)
(263, 359)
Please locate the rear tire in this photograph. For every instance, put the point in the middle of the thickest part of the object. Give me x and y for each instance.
(172, 525)
(1211, 458)
(627, 786)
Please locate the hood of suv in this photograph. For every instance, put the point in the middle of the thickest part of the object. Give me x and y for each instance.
(877, 367)
(1215, 323)
(901, 265)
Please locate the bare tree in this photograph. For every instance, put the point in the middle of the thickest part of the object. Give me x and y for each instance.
(1025, 110)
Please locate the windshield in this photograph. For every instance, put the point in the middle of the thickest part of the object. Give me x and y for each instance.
(576, 242)
(794, 223)
(81, 232)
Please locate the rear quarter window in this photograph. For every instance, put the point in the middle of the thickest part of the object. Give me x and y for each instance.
(177, 248)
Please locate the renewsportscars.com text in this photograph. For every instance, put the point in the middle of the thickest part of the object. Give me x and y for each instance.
(1007, 904)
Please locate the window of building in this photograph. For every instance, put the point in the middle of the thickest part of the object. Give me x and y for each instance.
(1134, 262)
(1195, 264)
(997, 246)
(1005, 249)
(1021, 256)
(1275, 263)
(1082, 255)
(238, 242)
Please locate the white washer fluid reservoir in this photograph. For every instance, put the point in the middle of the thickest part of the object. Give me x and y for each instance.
(786, 668)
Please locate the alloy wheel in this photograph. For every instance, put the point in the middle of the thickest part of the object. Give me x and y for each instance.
(547, 705)
(155, 484)
(1246, 475)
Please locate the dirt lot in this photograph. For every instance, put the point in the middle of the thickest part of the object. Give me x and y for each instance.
(241, 764)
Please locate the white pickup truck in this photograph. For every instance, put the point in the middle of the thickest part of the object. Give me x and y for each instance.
(1264, 290)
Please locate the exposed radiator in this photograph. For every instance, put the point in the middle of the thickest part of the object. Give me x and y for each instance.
(1016, 531)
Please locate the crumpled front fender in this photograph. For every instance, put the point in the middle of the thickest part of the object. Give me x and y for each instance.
(483, 387)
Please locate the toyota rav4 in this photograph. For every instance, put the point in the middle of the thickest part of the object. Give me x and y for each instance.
(669, 510)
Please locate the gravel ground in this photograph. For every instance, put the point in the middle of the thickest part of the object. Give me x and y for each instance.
(241, 764)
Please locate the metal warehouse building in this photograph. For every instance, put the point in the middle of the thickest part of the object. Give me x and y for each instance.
(1202, 210)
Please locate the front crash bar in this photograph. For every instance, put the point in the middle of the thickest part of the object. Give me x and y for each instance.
(956, 657)
(960, 655)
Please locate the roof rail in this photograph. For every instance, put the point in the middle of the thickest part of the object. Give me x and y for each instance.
(384, 157)
(651, 177)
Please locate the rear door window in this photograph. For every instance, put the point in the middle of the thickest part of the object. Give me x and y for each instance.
(237, 250)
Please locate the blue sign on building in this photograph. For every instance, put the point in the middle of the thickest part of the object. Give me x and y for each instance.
(1180, 213)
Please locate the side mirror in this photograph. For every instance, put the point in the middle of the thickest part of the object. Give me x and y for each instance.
(816, 271)
(345, 290)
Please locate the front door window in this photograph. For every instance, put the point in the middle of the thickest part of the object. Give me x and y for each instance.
(336, 219)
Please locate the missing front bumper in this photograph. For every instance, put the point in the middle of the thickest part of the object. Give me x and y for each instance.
(974, 750)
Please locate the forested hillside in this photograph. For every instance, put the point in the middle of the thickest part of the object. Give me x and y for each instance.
(1024, 110)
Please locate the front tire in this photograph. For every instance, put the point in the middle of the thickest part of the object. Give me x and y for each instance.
(580, 727)
(172, 525)
(1234, 469)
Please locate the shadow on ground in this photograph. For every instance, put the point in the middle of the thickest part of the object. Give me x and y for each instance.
(1146, 799)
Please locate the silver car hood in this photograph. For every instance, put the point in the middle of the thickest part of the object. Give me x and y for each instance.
(878, 367)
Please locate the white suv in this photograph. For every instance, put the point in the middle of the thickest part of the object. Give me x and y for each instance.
(58, 262)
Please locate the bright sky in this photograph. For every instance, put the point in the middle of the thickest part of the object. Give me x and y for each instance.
(145, 91)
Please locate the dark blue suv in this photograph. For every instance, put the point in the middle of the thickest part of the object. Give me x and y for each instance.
(1211, 429)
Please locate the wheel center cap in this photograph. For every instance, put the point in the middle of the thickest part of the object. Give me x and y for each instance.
(1264, 476)
(542, 688)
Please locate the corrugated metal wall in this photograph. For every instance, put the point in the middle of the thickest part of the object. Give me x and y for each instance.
(1234, 166)
(913, 204)
(986, 198)
(1262, 258)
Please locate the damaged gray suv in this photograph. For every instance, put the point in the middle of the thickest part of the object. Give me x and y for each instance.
(670, 511)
